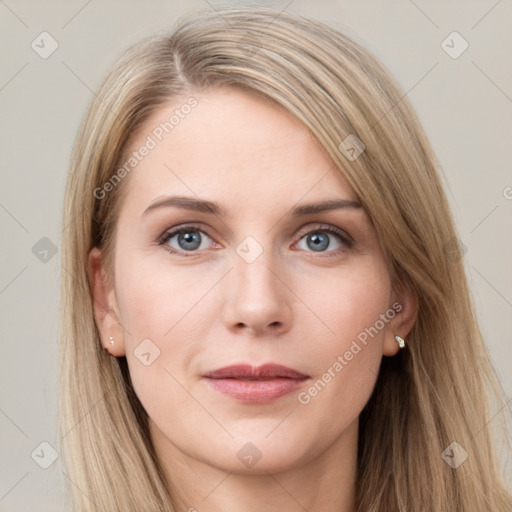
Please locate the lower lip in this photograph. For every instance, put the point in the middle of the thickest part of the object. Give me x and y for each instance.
(256, 391)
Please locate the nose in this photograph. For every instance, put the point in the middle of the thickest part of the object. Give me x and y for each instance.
(257, 297)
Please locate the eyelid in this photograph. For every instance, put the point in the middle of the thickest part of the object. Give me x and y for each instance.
(347, 239)
(171, 232)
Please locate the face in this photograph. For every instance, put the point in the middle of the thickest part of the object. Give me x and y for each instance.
(222, 261)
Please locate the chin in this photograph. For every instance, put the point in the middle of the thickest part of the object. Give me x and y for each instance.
(259, 455)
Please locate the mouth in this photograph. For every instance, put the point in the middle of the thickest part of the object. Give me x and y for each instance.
(255, 384)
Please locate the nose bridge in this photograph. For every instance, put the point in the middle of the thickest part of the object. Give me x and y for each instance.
(255, 277)
(252, 271)
(257, 295)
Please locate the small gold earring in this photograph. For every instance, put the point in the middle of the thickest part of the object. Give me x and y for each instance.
(401, 341)
(111, 340)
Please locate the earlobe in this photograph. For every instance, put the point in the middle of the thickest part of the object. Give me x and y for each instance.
(400, 326)
(105, 305)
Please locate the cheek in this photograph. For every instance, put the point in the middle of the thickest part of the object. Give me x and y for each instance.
(348, 302)
(172, 305)
(353, 313)
(156, 299)
(165, 313)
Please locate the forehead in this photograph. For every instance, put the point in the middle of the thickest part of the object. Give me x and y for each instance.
(235, 148)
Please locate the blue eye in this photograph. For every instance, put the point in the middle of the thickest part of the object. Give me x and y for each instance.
(188, 240)
(318, 240)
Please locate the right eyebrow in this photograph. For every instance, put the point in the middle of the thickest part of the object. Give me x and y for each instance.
(188, 203)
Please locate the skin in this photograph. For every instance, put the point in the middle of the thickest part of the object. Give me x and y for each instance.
(292, 305)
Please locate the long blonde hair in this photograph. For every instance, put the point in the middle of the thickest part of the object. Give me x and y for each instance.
(432, 394)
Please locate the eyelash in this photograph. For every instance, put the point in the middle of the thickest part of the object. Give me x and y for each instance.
(166, 236)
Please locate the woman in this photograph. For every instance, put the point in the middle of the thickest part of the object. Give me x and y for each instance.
(264, 305)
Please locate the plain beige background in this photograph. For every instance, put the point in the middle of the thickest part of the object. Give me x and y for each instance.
(464, 103)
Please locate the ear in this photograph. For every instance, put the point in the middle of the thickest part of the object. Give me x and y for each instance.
(405, 304)
(106, 311)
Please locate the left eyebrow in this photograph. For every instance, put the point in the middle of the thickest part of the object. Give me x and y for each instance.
(330, 204)
(213, 208)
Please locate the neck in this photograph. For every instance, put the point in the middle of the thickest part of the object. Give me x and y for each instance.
(324, 482)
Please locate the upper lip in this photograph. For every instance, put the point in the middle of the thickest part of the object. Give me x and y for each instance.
(246, 371)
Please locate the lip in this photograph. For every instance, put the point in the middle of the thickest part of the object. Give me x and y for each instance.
(255, 384)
